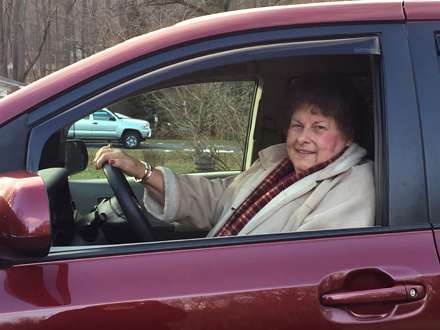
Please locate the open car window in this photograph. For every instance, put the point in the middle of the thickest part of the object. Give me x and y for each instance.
(218, 111)
(196, 128)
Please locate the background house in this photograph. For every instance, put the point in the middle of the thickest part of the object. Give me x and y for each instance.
(8, 86)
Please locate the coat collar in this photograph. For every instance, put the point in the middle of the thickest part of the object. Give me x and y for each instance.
(349, 158)
(271, 156)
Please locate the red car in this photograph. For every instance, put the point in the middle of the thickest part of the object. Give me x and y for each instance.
(60, 269)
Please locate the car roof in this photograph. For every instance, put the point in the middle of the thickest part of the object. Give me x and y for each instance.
(206, 27)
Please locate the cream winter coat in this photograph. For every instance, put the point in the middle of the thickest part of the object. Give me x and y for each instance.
(342, 195)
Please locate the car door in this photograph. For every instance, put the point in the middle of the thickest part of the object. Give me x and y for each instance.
(83, 128)
(275, 283)
(381, 277)
(104, 125)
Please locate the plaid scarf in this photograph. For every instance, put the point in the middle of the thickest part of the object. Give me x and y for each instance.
(268, 189)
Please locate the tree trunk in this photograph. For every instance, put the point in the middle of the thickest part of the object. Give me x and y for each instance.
(57, 41)
(48, 59)
(44, 62)
(3, 69)
(67, 49)
(7, 31)
(84, 19)
(19, 40)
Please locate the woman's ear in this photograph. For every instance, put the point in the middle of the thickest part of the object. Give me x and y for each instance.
(349, 142)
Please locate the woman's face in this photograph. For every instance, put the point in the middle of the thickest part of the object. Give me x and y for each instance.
(313, 138)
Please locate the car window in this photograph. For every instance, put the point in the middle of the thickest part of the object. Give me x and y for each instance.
(102, 115)
(192, 111)
(195, 128)
(206, 123)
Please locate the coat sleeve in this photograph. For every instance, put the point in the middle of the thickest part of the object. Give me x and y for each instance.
(189, 199)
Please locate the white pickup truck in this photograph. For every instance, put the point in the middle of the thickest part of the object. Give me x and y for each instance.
(105, 125)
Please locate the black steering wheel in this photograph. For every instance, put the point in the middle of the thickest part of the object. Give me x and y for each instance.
(129, 204)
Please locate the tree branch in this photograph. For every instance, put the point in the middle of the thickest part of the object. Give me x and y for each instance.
(40, 49)
(179, 2)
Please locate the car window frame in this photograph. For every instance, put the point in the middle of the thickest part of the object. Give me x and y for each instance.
(424, 41)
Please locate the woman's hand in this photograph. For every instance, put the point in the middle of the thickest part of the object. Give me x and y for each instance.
(132, 167)
(120, 159)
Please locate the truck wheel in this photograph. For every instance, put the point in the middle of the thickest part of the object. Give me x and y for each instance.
(131, 139)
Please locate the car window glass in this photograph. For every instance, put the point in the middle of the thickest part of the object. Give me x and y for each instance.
(101, 115)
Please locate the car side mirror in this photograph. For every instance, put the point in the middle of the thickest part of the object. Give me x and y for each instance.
(112, 119)
(77, 157)
(25, 230)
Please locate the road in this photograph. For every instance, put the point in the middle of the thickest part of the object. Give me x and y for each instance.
(159, 146)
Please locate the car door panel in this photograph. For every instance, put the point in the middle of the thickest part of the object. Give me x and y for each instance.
(83, 128)
(103, 127)
(268, 285)
(88, 193)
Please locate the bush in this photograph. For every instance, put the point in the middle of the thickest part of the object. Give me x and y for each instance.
(153, 157)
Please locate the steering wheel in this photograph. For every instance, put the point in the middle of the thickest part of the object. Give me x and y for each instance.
(129, 204)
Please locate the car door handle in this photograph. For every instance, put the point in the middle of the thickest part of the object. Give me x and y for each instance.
(95, 123)
(398, 293)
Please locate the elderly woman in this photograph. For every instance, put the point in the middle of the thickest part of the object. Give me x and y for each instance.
(318, 179)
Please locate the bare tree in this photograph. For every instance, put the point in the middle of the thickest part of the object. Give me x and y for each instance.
(37, 44)
(19, 41)
(205, 113)
(38, 37)
(2, 42)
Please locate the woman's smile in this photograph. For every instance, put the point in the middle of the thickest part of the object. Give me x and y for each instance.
(304, 152)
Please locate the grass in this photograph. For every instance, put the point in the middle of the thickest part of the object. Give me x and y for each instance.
(218, 142)
(179, 161)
